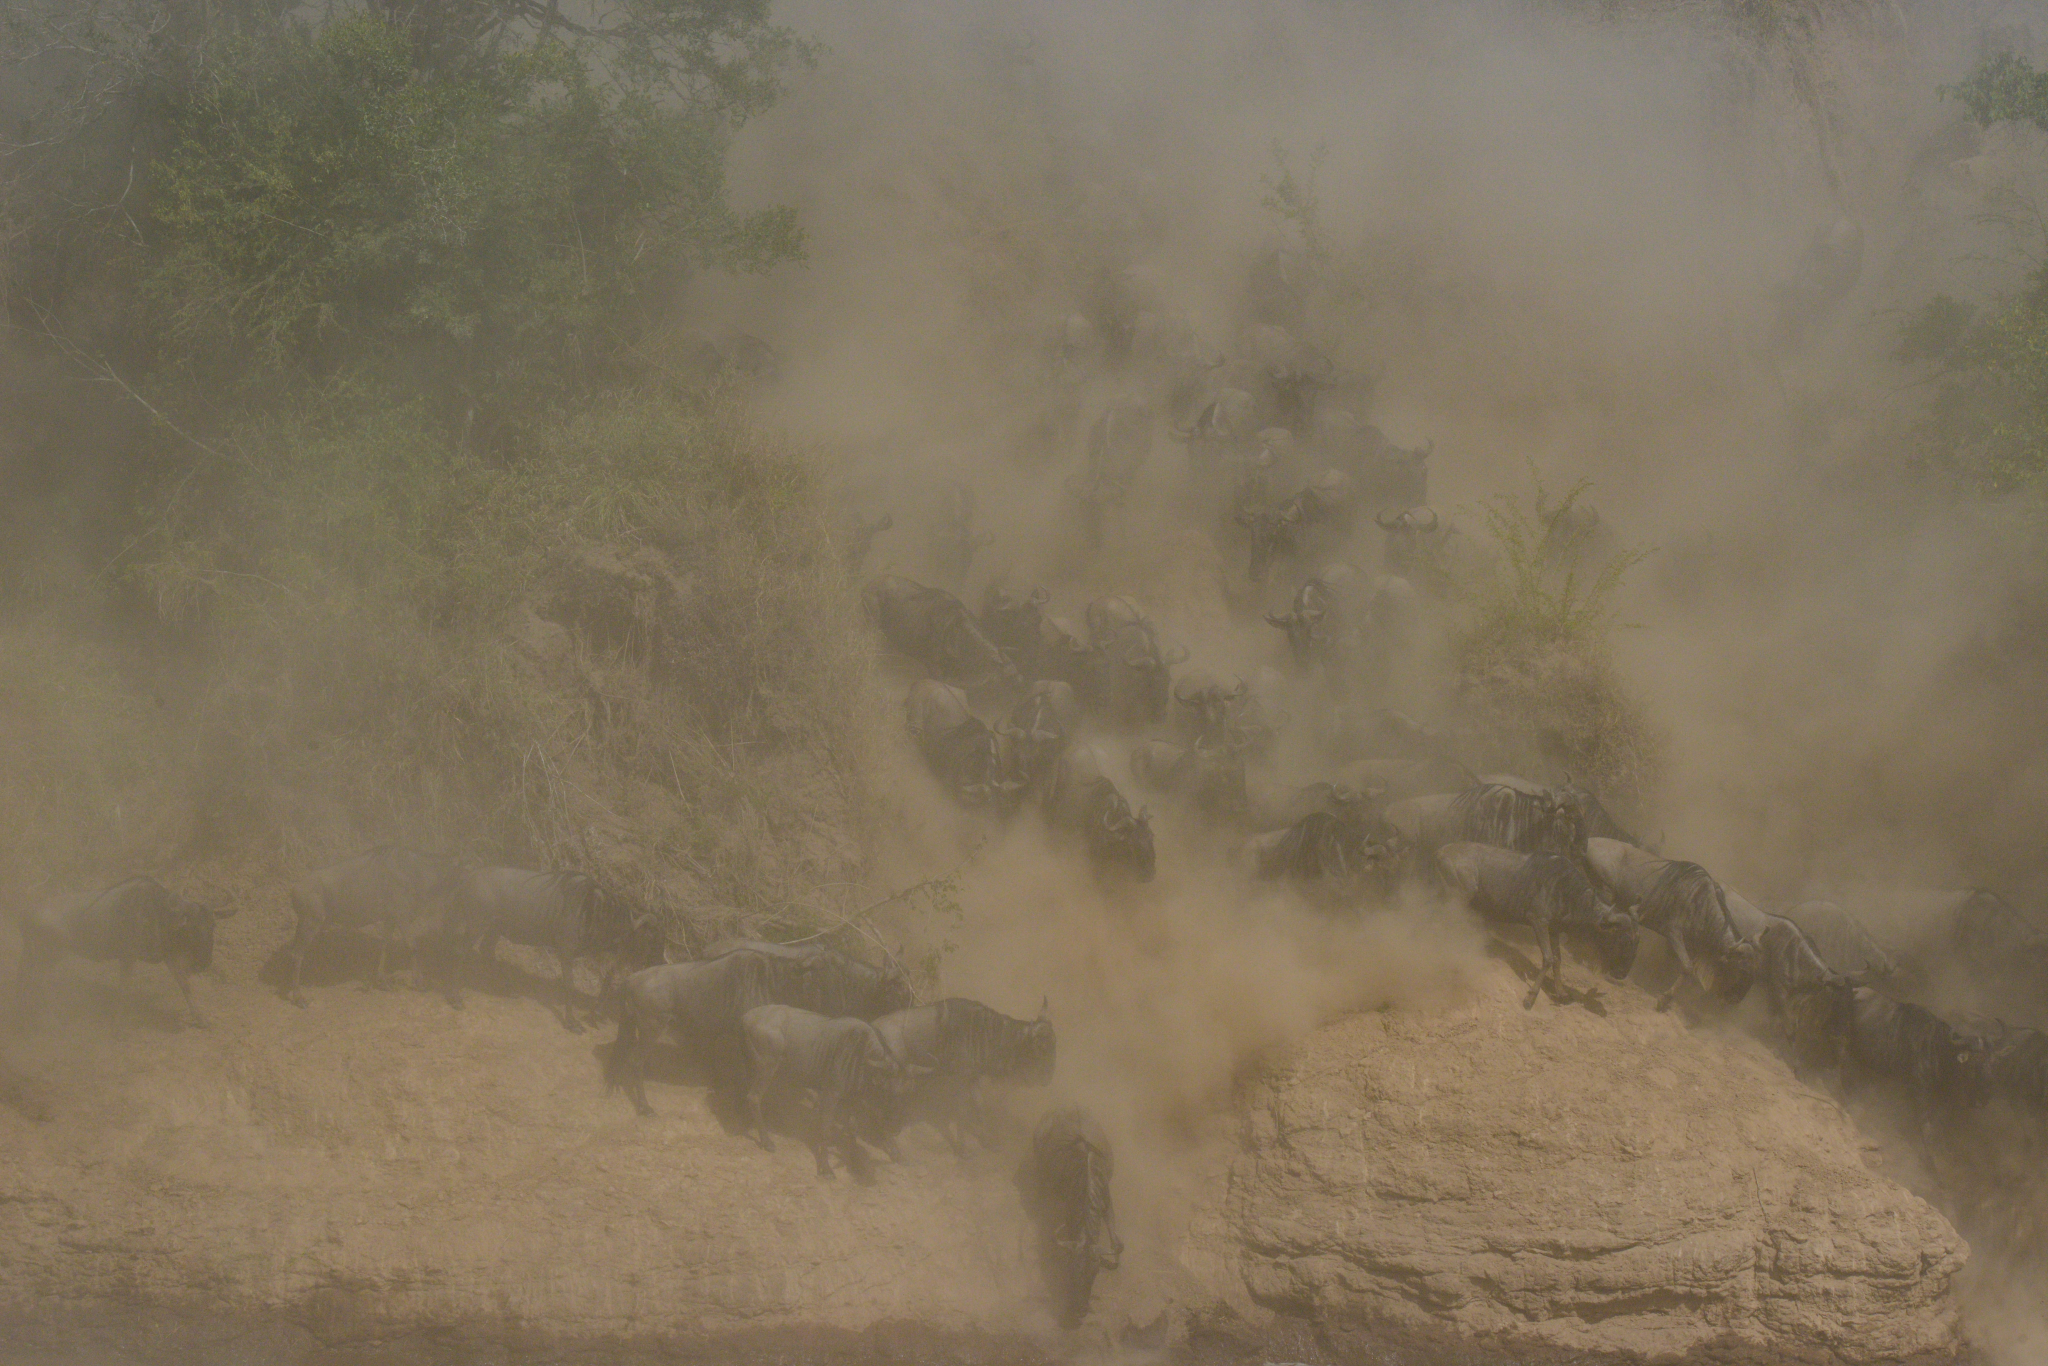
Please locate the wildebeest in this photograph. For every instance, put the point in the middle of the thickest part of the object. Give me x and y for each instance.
(563, 911)
(1685, 905)
(1040, 727)
(700, 1003)
(1064, 1182)
(821, 978)
(1499, 809)
(1319, 517)
(1806, 996)
(1390, 476)
(843, 1062)
(1016, 626)
(1205, 704)
(1572, 533)
(1552, 896)
(1842, 942)
(1939, 1068)
(958, 747)
(1350, 847)
(962, 1042)
(2018, 1069)
(1083, 800)
(1129, 668)
(1212, 777)
(933, 628)
(1996, 942)
(1415, 545)
(136, 921)
(402, 893)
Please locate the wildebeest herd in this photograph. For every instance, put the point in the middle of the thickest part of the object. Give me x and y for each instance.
(1013, 708)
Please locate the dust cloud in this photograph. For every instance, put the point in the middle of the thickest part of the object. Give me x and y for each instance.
(1563, 244)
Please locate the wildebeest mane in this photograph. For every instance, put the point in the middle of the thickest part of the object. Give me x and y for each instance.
(978, 1040)
(1492, 813)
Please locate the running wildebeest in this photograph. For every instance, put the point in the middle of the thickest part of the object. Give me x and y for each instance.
(1499, 809)
(1016, 626)
(1205, 704)
(1806, 996)
(963, 1042)
(1082, 799)
(1040, 727)
(1390, 476)
(1348, 846)
(1553, 897)
(860, 539)
(137, 921)
(1128, 667)
(843, 1062)
(1685, 905)
(1842, 943)
(700, 1004)
(1064, 1182)
(958, 747)
(403, 893)
(1939, 1069)
(1417, 544)
(820, 978)
(1210, 777)
(563, 911)
(933, 628)
(1319, 517)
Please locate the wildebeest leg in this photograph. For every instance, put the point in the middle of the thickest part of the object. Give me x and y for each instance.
(184, 981)
(757, 1094)
(827, 1119)
(1547, 977)
(1685, 968)
(568, 987)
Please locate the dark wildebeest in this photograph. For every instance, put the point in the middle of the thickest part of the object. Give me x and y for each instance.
(1205, 707)
(1549, 894)
(2019, 1069)
(402, 893)
(701, 1004)
(1939, 1068)
(1390, 476)
(1041, 726)
(1499, 809)
(958, 747)
(1064, 1181)
(1683, 903)
(933, 628)
(1415, 546)
(1016, 626)
(1212, 777)
(1806, 995)
(843, 1062)
(1129, 669)
(952, 539)
(1319, 517)
(563, 911)
(1082, 799)
(817, 977)
(962, 1042)
(1997, 943)
(137, 921)
(1348, 846)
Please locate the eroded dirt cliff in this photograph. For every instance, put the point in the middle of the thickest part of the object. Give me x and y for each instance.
(1526, 1182)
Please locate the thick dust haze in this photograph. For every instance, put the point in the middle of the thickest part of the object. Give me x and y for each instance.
(1556, 243)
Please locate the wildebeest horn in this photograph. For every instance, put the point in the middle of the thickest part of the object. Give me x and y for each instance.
(1282, 619)
(1240, 690)
(1039, 597)
(1044, 1006)
(221, 915)
(1433, 521)
(1177, 655)
(1385, 524)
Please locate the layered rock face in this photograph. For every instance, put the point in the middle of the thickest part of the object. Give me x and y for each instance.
(1553, 1179)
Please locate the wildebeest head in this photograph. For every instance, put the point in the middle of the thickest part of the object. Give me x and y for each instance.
(1617, 937)
(1037, 1047)
(894, 992)
(1411, 535)
(1012, 621)
(1124, 840)
(1208, 703)
(1734, 972)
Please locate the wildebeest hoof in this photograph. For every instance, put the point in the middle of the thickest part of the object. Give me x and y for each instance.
(1663, 1003)
(298, 999)
(572, 1026)
(827, 1174)
(644, 1111)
